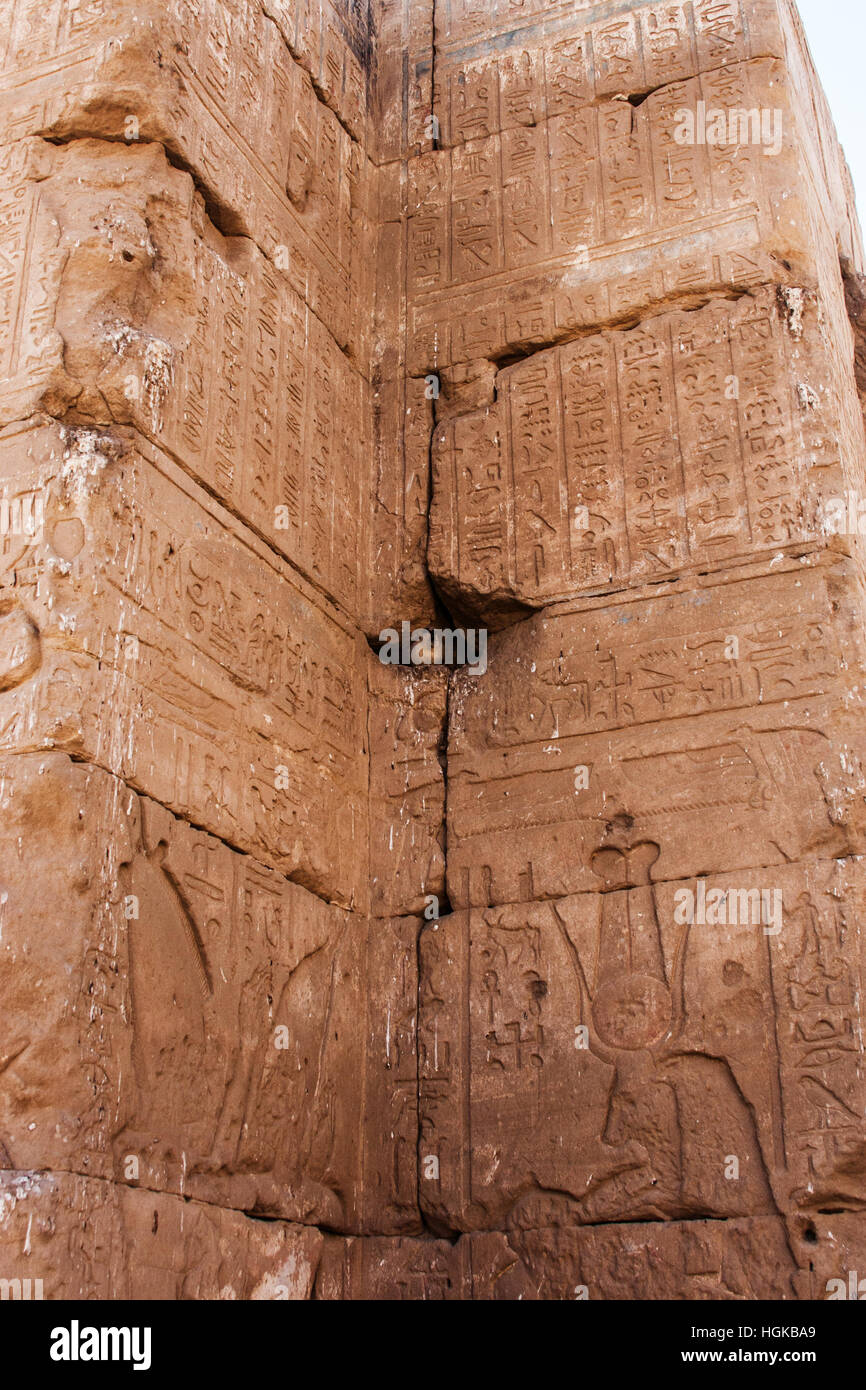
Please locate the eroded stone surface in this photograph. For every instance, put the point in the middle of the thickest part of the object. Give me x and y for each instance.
(321, 977)
(217, 85)
(74, 1235)
(733, 1260)
(176, 651)
(407, 788)
(125, 305)
(619, 217)
(722, 723)
(213, 1013)
(544, 60)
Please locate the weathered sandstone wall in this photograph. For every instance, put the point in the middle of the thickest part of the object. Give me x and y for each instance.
(318, 317)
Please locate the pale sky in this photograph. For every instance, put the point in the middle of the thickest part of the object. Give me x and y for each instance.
(836, 30)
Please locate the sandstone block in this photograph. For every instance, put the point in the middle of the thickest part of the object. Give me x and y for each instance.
(200, 1022)
(141, 313)
(73, 1235)
(694, 440)
(722, 723)
(593, 218)
(723, 1261)
(238, 696)
(214, 83)
(164, 642)
(651, 1051)
(512, 65)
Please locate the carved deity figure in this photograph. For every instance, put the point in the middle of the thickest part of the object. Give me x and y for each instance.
(679, 1139)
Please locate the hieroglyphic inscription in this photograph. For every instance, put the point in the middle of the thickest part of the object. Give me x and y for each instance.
(239, 380)
(238, 698)
(668, 719)
(591, 216)
(233, 104)
(627, 456)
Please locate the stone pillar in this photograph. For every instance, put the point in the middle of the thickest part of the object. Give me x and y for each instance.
(626, 263)
(207, 991)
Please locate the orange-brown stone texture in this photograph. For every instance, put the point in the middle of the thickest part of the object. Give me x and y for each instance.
(533, 976)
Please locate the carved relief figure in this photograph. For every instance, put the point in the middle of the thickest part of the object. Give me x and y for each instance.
(175, 1047)
(675, 1118)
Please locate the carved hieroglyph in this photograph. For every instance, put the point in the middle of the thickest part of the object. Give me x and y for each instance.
(321, 977)
(629, 457)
